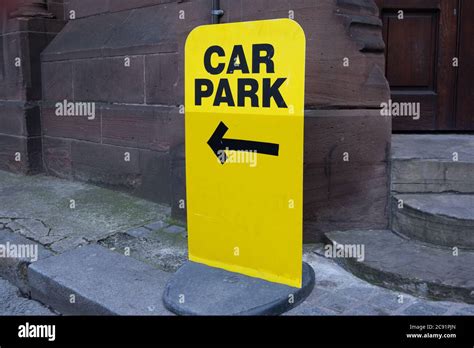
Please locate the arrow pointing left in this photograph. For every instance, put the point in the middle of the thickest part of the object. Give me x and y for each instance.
(218, 144)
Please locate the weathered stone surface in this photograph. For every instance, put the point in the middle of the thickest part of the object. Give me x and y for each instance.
(432, 176)
(22, 40)
(83, 38)
(103, 283)
(109, 80)
(13, 85)
(432, 163)
(12, 303)
(97, 214)
(162, 250)
(90, 8)
(433, 146)
(12, 120)
(139, 232)
(84, 8)
(132, 32)
(213, 291)
(147, 127)
(163, 83)
(73, 127)
(344, 196)
(439, 218)
(330, 140)
(331, 27)
(346, 176)
(142, 33)
(425, 309)
(156, 226)
(57, 81)
(23, 81)
(155, 165)
(31, 228)
(56, 8)
(178, 183)
(29, 149)
(405, 265)
(20, 118)
(94, 7)
(33, 24)
(15, 269)
(120, 5)
(174, 229)
(105, 164)
(37, 42)
(57, 157)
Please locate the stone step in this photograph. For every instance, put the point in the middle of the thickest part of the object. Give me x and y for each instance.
(16, 254)
(438, 218)
(432, 163)
(408, 266)
(93, 280)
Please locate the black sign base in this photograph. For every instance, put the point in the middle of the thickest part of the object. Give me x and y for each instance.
(197, 289)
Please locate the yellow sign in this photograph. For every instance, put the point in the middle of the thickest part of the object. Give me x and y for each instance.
(244, 147)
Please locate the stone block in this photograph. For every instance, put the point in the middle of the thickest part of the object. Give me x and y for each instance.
(142, 33)
(57, 157)
(105, 164)
(153, 128)
(109, 80)
(73, 127)
(156, 226)
(103, 283)
(163, 83)
(139, 232)
(342, 196)
(57, 81)
(155, 180)
(83, 38)
(14, 269)
(18, 118)
(26, 149)
(85, 8)
(174, 229)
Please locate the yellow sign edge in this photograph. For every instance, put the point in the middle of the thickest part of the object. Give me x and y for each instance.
(250, 272)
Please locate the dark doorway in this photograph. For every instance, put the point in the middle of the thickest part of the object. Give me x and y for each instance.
(429, 55)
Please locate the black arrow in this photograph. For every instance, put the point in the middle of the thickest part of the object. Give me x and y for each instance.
(218, 144)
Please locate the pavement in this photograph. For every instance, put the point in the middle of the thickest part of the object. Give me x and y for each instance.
(62, 214)
(338, 292)
(13, 303)
(112, 253)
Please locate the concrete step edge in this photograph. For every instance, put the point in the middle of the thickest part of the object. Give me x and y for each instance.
(419, 286)
(17, 253)
(443, 228)
(431, 175)
(93, 280)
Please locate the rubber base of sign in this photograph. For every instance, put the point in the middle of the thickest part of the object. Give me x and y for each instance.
(197, 289)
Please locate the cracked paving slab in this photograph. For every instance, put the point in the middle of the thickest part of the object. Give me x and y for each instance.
(41, 208)
(158, 248)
